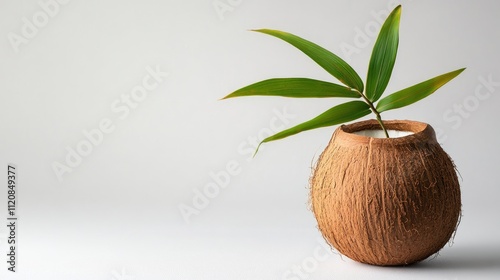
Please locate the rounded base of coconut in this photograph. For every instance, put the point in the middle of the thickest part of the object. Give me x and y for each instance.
(386, 201)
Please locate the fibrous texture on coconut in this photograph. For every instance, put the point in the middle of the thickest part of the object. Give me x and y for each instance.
(386, 201)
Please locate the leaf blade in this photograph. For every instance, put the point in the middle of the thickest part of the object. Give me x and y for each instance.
(383, 56)
(339, 114)
(333, 64)
(294, 87)
(416, 92)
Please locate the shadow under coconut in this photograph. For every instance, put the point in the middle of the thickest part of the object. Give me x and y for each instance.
(484, 258)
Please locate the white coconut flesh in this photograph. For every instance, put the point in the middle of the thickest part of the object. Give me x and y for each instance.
(380, 133)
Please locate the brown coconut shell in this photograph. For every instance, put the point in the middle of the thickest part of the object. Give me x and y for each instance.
(386, 201)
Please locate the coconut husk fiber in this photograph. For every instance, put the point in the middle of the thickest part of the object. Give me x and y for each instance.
(386, 201)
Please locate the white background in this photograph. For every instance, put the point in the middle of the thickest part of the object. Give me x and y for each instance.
(116, 215)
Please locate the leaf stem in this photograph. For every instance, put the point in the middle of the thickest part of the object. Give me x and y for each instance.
(377, 114)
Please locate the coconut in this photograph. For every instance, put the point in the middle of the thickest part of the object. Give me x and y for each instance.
(385, 201)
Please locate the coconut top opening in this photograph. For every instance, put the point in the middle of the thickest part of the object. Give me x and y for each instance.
(401, 132)
(378, 133)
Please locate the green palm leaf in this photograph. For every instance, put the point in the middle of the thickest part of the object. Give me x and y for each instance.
(342, 113)
(414, 93)
(382, 60)
(383, 56)
(295, 87)
(326, 59)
